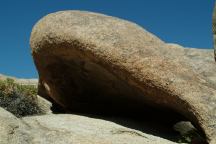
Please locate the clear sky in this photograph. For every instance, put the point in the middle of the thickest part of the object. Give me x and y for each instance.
(186, 22)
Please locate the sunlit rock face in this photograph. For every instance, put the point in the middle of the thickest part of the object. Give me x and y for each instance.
(69, 129)
(89, 62)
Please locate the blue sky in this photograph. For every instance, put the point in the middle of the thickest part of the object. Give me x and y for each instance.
(186, 22)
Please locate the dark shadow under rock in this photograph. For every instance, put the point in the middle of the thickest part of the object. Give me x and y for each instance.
(157, 122)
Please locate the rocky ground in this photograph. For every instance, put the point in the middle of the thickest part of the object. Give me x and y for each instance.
(43, 126)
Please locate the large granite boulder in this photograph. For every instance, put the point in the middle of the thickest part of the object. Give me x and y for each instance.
(68, 129)
(90, 62)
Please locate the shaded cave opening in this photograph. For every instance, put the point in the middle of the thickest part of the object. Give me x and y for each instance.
(85, 88)
(161, 122)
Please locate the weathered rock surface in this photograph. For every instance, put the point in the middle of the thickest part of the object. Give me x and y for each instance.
(68, 129)
(214, 29)
(200, 60)
(92, 62)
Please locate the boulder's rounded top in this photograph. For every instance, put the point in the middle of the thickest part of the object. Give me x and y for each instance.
(90, 28)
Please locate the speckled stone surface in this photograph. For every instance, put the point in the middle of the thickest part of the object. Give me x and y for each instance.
(69, 129)
(93, 62)
(214, 28)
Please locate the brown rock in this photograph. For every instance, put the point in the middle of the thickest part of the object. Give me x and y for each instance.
(92, 62)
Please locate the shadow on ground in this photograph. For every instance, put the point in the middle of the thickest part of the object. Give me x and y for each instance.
(157, 122)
